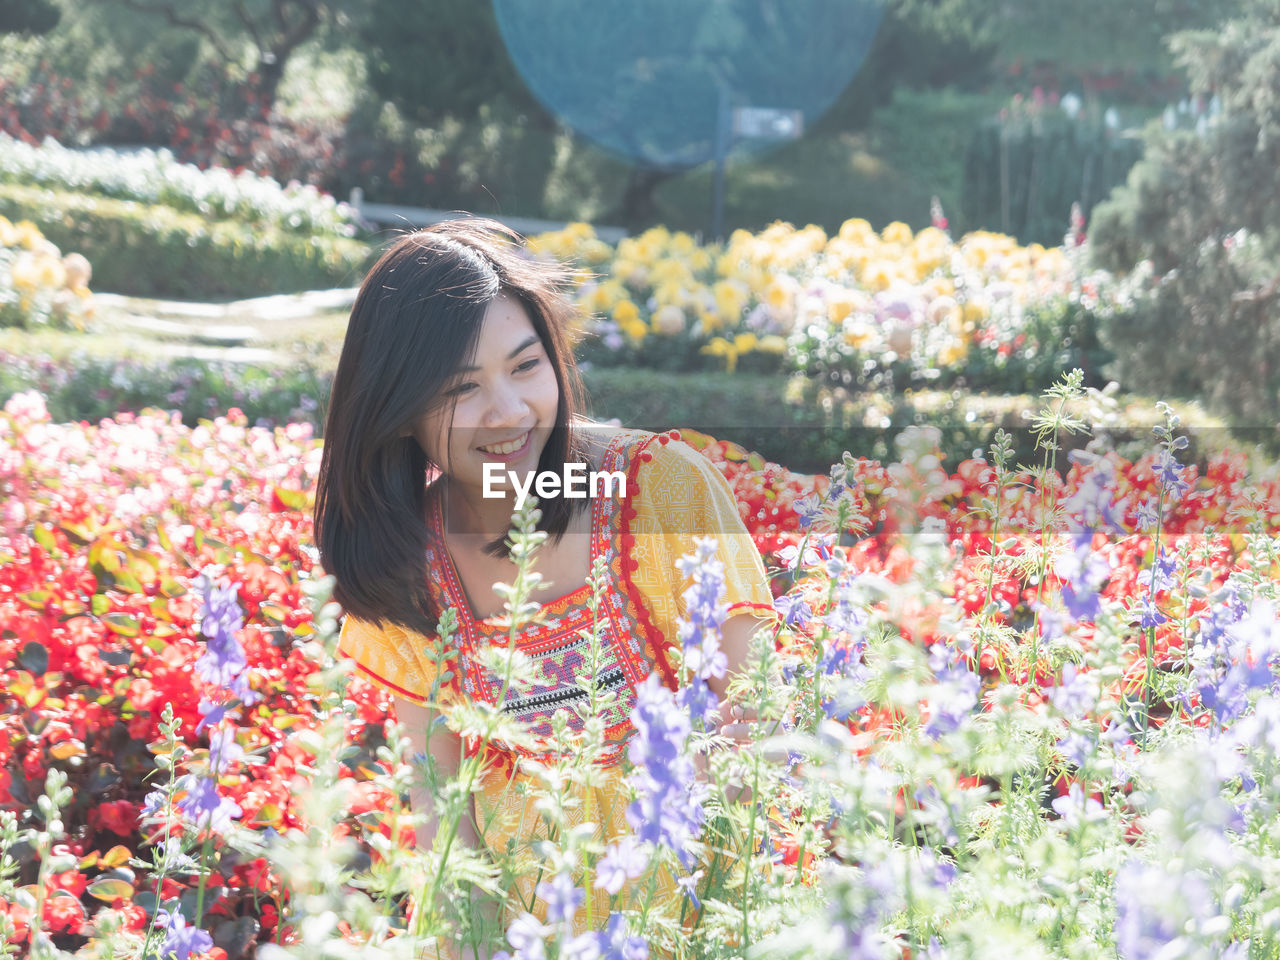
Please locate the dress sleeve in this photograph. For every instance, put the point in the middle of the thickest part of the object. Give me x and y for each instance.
(398, 660)
(685, 496)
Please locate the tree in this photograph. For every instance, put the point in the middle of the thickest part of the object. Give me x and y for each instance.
(1201, 212)
(28, 16)
(263, 34)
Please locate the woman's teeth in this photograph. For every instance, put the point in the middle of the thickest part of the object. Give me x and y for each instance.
(505, 448)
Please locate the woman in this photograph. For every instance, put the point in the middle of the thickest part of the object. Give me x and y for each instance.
(457, 380)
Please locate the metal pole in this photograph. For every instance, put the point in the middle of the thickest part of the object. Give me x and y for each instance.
(721, 153)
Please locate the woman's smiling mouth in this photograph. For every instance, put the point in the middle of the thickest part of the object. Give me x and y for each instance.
(510, 447)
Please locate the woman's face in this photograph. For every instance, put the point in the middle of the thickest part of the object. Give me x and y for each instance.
(506, 396)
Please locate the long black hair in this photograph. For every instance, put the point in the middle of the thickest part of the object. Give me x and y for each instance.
(415, 321)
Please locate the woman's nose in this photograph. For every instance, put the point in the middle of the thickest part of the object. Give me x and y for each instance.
(508, 406)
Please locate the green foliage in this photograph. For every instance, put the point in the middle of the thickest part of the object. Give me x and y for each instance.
(1196, 227)
(1021, 177)
(435, 61)
(921, 44)
(1099, 36)
(28, 16)
(157, 251)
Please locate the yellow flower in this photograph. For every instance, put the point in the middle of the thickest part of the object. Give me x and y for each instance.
(635, 329)
(975, 311)
(745, 342)
(52, 274)
(625, 312)
(772, 343)
(25, 272)
(778, 294)
(878, 276)
(731, 298)
(841, 302)
(28, 234)
(856, 231)
(897, 232)
(720, 347)
(952, 353)
(8, 235)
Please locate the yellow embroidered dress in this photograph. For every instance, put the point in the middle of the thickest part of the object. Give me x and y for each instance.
(673, 494)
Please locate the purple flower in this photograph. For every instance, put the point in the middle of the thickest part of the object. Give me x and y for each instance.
(1242, 660)
(562, 897)
(1075, 808)
(809, 509)
(1151, 616)
(527, 934)
(699, 628)
(689, 884)
(203, 806)
(1169, 471)
(223, 750)
(616, 942)
(1074, 697)
(223, 662)
(1077, 748)
(1156, 909)
(795, 611)
(668, 809)
(1083, 573)
(1160, 575)
(955, 694)
(622, 861)
(1093, 505)
(180, 941)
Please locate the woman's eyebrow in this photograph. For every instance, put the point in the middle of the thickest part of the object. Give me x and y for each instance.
(510, 356)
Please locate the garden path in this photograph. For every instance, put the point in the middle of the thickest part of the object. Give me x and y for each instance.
(259, 330)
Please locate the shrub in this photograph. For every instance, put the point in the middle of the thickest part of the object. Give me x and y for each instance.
(1195, 226)
(161, 252)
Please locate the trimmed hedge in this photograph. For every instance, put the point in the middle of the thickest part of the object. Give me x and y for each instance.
(807, 426)
(156, 251)
(793, 422)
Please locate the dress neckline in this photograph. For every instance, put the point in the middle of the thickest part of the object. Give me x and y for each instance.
(457, 593)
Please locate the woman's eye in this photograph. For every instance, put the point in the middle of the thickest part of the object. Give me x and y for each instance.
(530, 363)
(462, 388)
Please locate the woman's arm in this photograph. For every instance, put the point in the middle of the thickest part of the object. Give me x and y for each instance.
(735, 641)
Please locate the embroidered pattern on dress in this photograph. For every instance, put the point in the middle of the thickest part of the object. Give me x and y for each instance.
(559, 644)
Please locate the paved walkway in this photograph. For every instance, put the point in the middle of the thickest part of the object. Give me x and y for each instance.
(214, 331)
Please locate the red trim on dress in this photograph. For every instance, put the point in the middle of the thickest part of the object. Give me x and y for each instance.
(656, 639)
(383, 681)
(765, 608)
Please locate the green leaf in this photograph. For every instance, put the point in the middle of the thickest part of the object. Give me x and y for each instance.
(122, 624)
(293, 499)
(99, 604)
(126, 581)
(44, 536)
(108, 889)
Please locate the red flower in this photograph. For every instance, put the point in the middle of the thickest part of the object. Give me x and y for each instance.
(120, 817)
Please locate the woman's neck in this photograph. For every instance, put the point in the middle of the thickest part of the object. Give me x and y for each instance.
(473, 516)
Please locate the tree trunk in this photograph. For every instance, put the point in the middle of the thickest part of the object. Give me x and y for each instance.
(638, 208)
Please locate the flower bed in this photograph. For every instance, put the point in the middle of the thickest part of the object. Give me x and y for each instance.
(892, 309)
(1010, 712)
(155, 177)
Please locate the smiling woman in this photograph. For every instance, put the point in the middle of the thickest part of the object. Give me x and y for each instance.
(457, 365)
